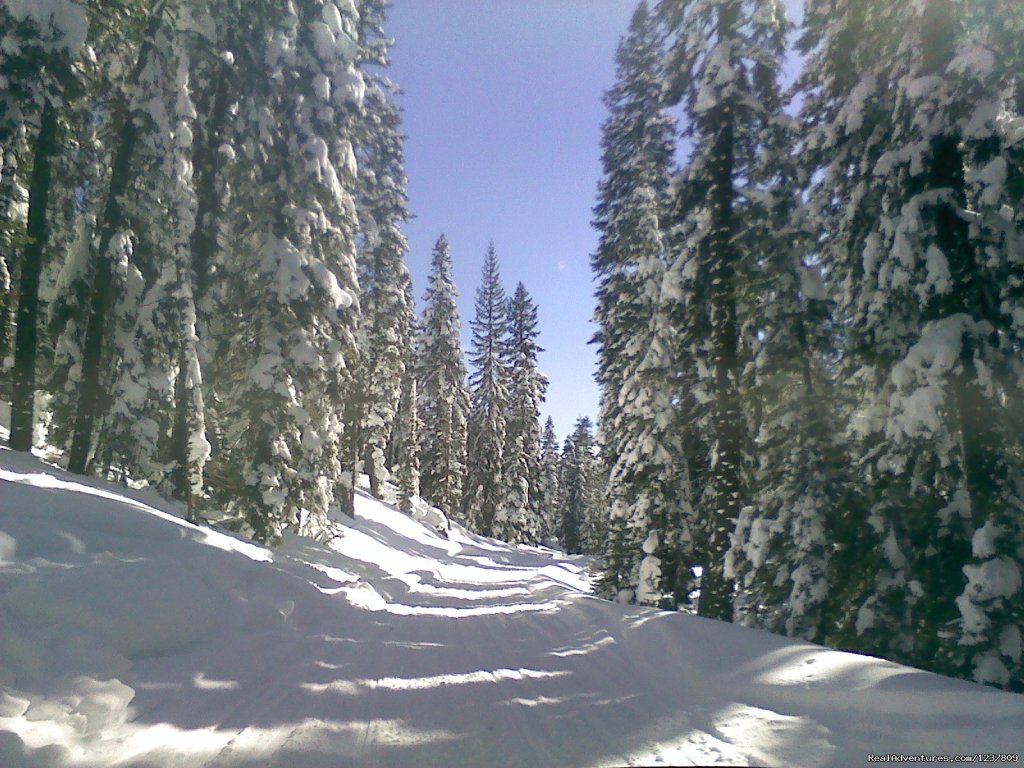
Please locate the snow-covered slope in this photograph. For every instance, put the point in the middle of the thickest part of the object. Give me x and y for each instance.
(129, 637)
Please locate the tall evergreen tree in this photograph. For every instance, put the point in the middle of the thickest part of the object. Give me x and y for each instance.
(399, 450)
(580, 489)
(984, 74)
(570, 501)
(39, 48)
(11, 137)
(483, 503)
(724, 63)
(842, 141)
(113, 277)
(782, 549)
(212, 59)
(384, 336)
(136, 431)
(523, 434)
(647, 486)
(442, 397)
(926, 295)
(548, 490)
(290, 284)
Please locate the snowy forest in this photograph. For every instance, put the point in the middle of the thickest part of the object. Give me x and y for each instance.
(811, 349)
(809, 295)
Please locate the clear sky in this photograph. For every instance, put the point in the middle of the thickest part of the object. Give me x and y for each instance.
(503, 112)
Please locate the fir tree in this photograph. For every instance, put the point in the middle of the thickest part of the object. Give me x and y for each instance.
(442, 397)
(926, 295)
(570, 502)
(548, 488)
(398, 450)
(38, 52)
(842, 141)
(647, 492)
(483, 503)
(782, 548)
(212, 156)
(724, 64)
(114, 281)
(523, 435)
(579, 487)
(135, 433)
(384, 336)
(290, 288)
(988, 60)
(12, 131)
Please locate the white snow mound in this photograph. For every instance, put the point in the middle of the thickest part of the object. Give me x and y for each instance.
(129, 637)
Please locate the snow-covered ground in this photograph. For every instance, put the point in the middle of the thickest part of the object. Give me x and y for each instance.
(129, 637)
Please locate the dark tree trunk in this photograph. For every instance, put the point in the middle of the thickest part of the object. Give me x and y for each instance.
(25, 343)
(102, 294)
(351, 441)
(7, 193)
(725, 475)
(89, 394)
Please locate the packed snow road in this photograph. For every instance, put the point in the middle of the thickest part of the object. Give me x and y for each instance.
(129, 637)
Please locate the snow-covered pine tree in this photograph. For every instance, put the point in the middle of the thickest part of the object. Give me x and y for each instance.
(442, 397)
(30, 268)
(570, 494)
(384, 336)
(160, 352)
(843, 133)
(723, 67)
(582, 515)
(928, 295)
(40, 42)
(648, 491)
(596, 522)
(289, 308)
(212, 60)
(7, 302)
(396, 451)
(486, 490)
(782, 548)
(526, 389)
(548, 493)
(990, 63)
(114, 281)
(111, 80)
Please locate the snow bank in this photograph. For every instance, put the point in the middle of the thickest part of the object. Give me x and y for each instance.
(130, 637)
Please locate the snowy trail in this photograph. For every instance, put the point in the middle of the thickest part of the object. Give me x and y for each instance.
(128, 637)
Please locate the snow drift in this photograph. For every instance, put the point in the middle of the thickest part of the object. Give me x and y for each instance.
(129, 637)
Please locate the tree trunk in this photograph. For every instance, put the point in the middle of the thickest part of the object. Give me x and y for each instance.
(23, 394)
(370, 468)
(351, 439)
(8, 190)
(207, 165)
(89, 395)
(716, 590)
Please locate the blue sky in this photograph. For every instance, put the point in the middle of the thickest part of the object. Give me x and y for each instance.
(502, 110)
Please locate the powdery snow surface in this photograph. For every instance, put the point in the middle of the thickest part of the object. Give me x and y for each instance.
(131, 638)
